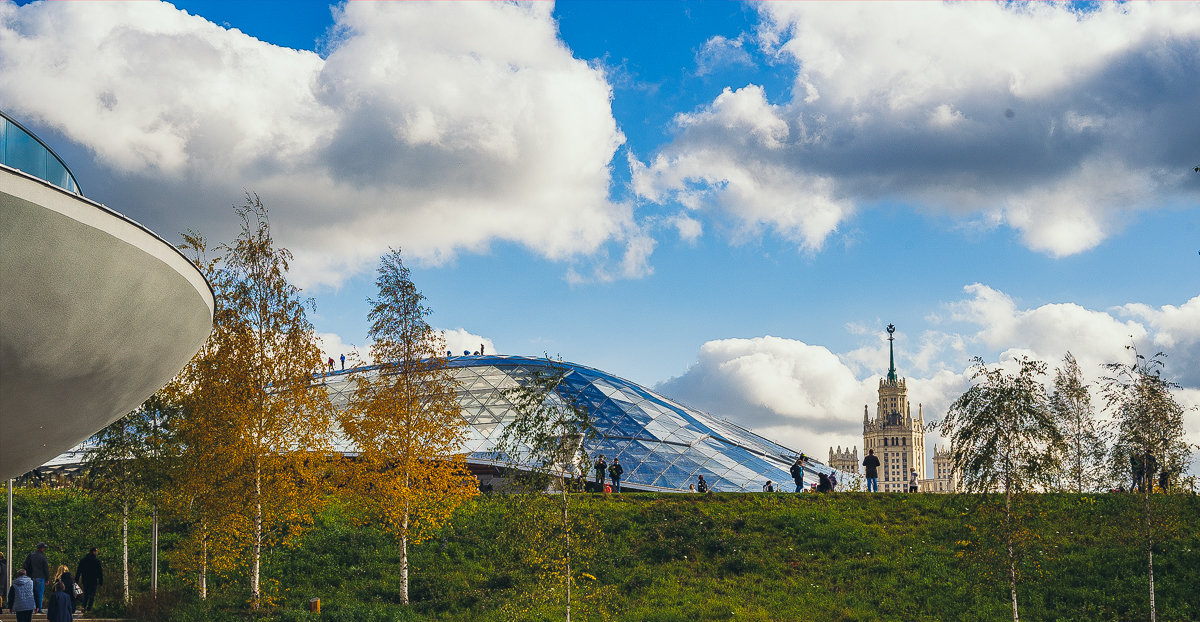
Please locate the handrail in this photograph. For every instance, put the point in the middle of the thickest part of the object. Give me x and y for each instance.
(25, 130)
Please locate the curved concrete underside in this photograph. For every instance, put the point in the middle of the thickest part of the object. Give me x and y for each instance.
(96, 314)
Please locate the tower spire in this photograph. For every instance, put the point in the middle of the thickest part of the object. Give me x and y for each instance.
(891, 328)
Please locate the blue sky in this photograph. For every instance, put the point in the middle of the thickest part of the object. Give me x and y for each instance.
(728, 201)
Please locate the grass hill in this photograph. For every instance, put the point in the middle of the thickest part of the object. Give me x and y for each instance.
(848, 556)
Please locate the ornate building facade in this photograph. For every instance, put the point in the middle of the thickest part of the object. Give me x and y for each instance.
(844, 459)
(897, 437)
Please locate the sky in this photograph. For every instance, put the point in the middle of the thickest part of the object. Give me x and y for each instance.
(724, 201)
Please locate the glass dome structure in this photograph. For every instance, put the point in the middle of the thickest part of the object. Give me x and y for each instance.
(663, 445)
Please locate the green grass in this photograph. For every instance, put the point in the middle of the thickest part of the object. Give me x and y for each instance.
(848, 556)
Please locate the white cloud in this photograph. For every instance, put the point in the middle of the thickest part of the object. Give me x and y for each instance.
(720, 52)
(459, 340)
(1057, 123)
(434, 127)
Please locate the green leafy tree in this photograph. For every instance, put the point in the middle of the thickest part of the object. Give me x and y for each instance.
(1083, 460)
(405, 420)
(1004, 438)
(1149, 431)
(251, 400)
(129, 462)
(545, 442)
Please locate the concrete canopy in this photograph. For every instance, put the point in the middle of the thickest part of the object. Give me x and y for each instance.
(96, 314)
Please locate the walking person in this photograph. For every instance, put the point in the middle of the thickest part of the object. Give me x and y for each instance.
(3, 581)
(871, 467)
(89, 574)
(38, 570)
(601, 467)
(58, 605)
(63, 575)
(832, 481)
(20, 596)
(614, 473)
(343, 362)
(797, 472)
(912, 481)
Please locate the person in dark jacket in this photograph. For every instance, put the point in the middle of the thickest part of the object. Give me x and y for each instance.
(63, 574)
(89, 574)
(701, 485)
(614, 473)
(823, 484)
(871, 468)
(601, 467)
(3, 580)
(58, 605)
(797, 472)
(20, 597)
(38, 569)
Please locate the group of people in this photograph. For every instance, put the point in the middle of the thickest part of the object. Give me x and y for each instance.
(27, 593)
(614, 472)
(826, 482)
(1144, 468)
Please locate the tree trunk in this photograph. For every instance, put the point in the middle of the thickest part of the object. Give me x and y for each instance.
(154, 550)
(1008, 540)
(404, 561)
(203, 578)
(255, 561)
(567, 548)
(1150, 553)
(125, 549)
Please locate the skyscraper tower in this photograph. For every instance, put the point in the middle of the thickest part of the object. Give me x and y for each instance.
(897, 437)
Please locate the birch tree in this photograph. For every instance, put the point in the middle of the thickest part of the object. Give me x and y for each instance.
(258, 418)
(1149, 424)
(545, 440)
(1004, 438)
(405, 420)
(1084, 448)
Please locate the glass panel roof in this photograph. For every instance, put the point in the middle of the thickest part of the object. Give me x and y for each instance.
(661, 444)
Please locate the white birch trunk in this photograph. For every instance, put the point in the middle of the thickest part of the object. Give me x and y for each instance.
(125, 550)
(154, 551)
(404, 563)
(567, 544)
(202, 580)
(1150, 552)
(255, 595)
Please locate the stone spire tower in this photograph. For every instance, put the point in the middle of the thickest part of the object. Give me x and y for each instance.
(897, 437)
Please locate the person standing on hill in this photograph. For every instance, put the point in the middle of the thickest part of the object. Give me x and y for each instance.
(38, 570)
(601, 467)
(701, 485)
(912, 481)
(89, 574)
(797, 472)
(614, 473)
(871, 467)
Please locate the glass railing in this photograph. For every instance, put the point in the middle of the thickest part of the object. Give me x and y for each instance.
(21, 150)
